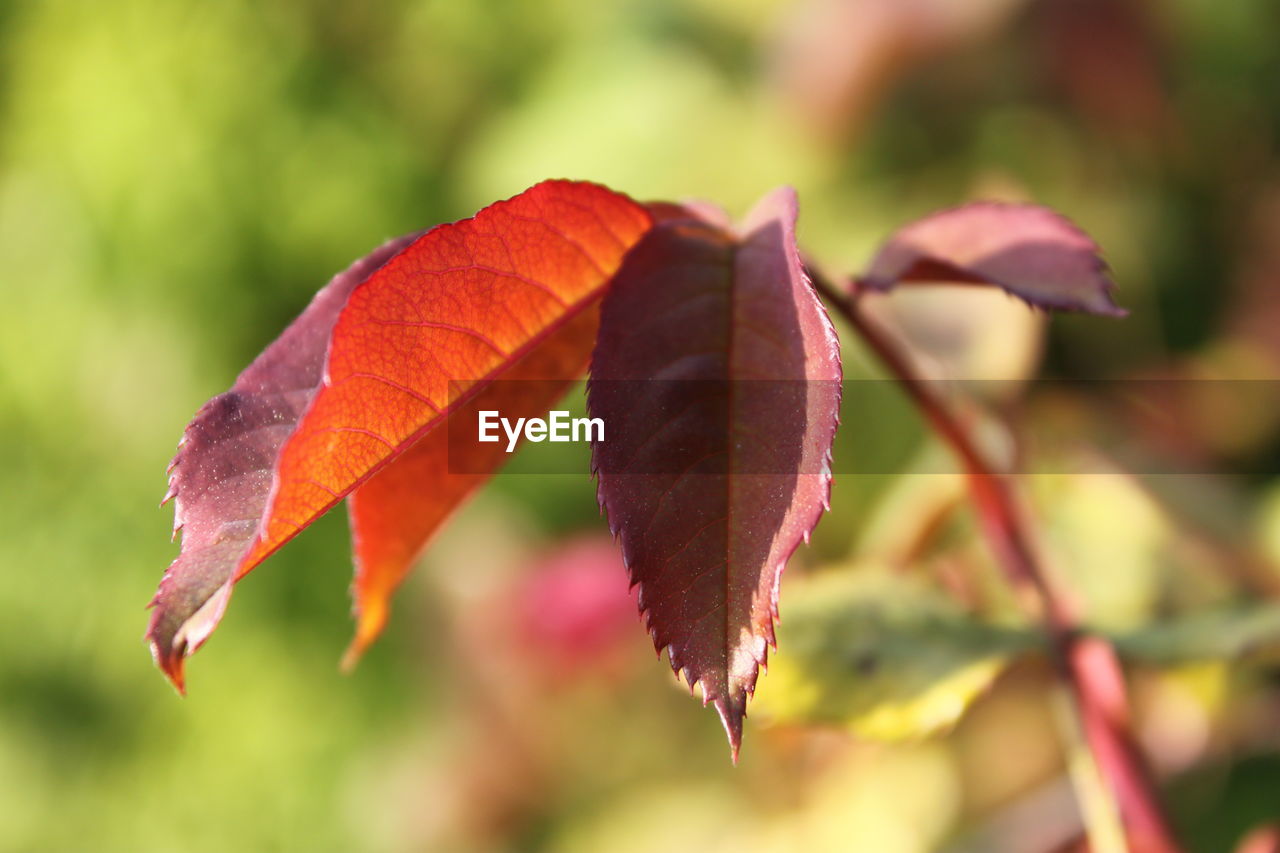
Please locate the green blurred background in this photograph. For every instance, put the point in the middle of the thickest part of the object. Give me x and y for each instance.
(177, 178)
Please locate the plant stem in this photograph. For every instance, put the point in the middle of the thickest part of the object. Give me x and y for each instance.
(1086, 664)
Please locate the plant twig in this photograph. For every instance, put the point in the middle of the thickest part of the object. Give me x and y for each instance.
(1086, 664)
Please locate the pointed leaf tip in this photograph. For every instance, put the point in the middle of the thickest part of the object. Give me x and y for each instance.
(718, 372)
(171, 666)
(371, 619)
(1029, 251)
(393, 516)
(731, 716)
(170, 661)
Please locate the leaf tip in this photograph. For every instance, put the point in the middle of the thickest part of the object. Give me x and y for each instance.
(1110, 309)
(1027, 250)
(732, 711)
(171, 660)
(371, 618)
(172, 637)
(351, 657)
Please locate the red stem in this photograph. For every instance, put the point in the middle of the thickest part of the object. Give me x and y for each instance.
(1087, 663)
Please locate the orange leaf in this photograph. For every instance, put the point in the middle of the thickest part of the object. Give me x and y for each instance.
(397, 510)
(416, 340)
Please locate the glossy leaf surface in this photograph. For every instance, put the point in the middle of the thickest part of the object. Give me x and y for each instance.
(717, 376)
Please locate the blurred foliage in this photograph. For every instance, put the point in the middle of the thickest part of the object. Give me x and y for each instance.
(176, 179)
(895, 660)
(889, 657)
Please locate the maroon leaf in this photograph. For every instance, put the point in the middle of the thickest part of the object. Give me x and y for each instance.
(221, 476)
(1029, 251)
(716, 373)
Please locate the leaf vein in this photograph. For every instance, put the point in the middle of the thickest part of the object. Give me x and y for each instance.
(448, 327)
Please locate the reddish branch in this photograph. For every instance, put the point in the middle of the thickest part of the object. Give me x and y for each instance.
(1086, 663)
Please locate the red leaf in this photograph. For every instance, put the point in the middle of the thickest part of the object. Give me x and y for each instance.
(1029, 251)
(396, 511)
(717, 376)
(412, 345)
(221, 475)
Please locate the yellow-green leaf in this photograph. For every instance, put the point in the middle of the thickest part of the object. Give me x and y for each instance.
(883, 654)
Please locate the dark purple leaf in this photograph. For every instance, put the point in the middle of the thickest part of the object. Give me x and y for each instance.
(717, 375)
(1029, 251)
(222, 474)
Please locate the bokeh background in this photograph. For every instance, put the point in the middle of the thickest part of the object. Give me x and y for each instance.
(177, 178)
